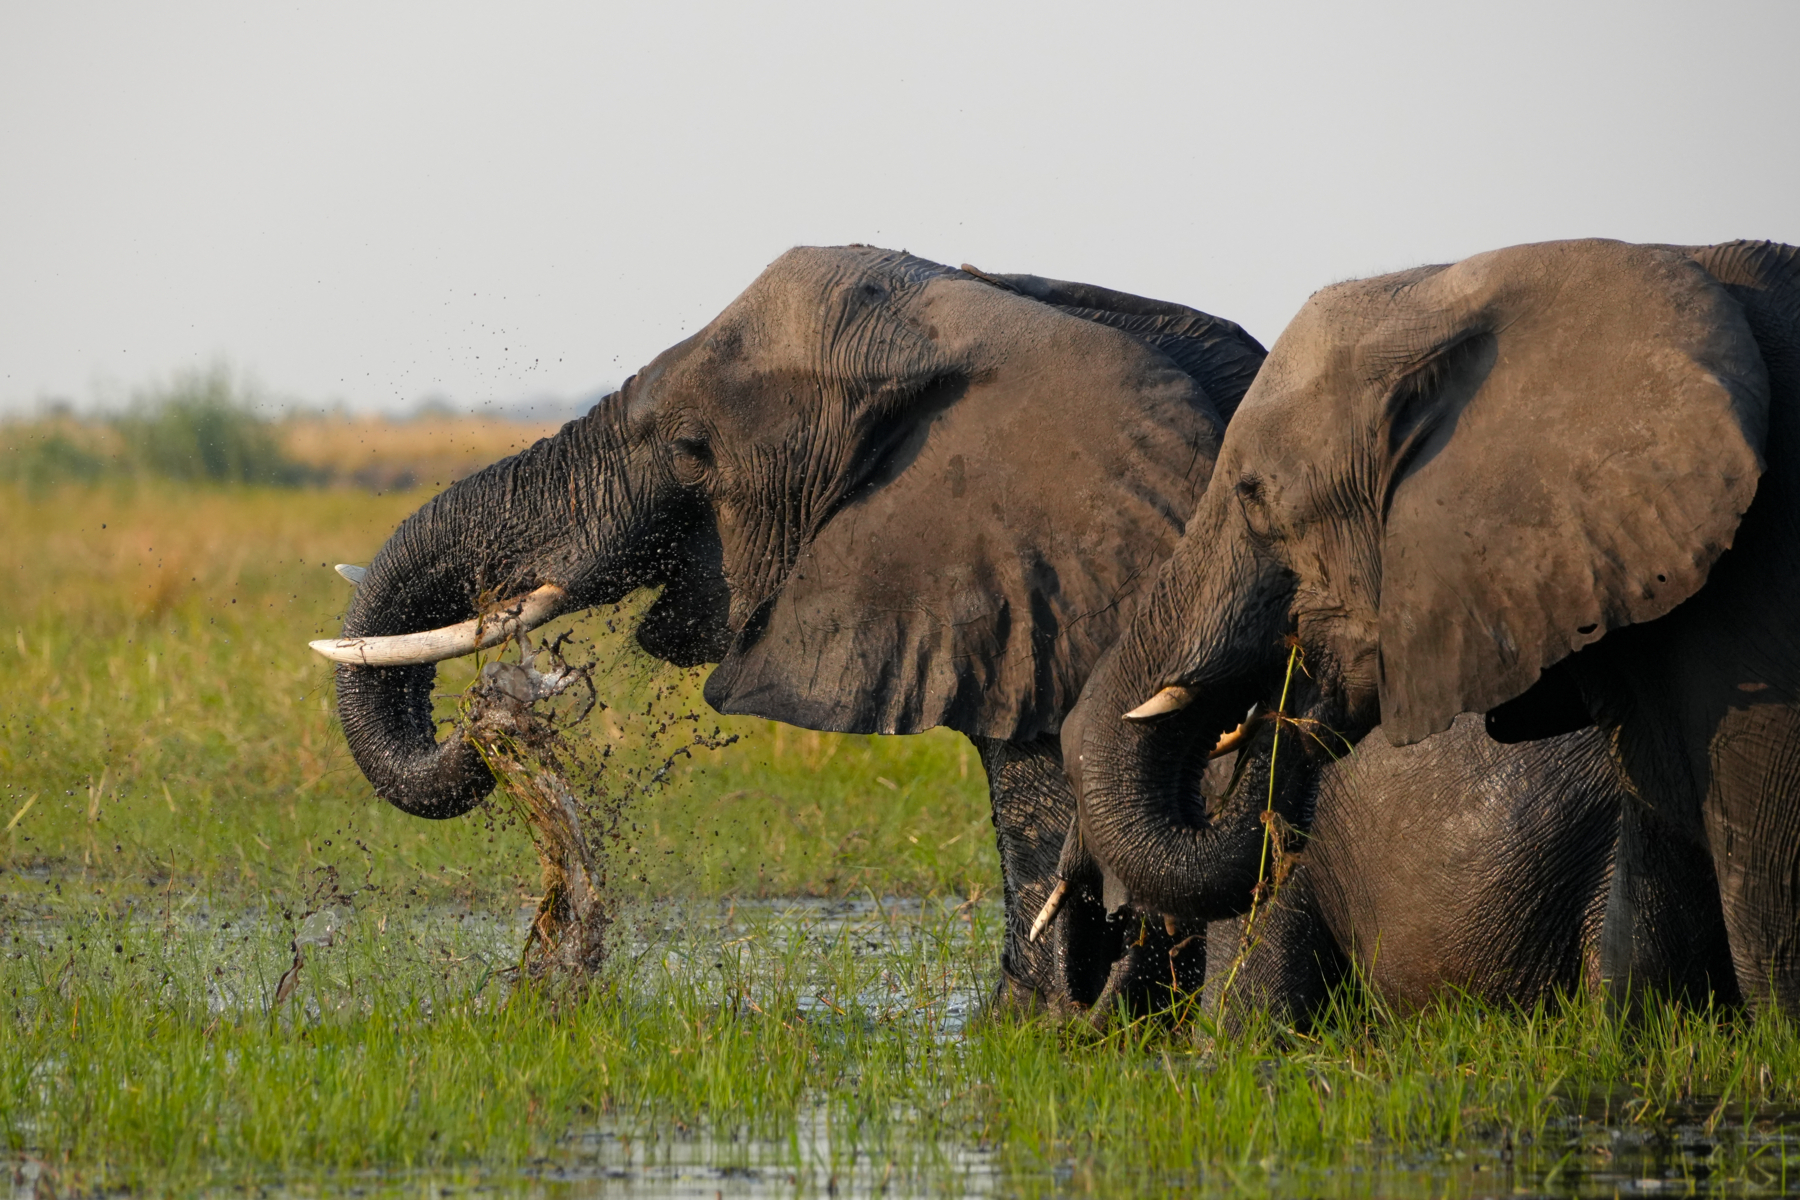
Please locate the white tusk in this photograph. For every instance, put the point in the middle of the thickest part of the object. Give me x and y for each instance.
(352, 572)
(452, 641)
(1173, 698)
(1240, 735)
(1051, 907)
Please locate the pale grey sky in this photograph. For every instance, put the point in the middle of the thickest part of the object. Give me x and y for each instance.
(378, 202)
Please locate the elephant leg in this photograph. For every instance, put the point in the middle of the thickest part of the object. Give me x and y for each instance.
(1033, 807)
(1162, 962)
(1753, 824)
(1287, 969)
(1664, 930)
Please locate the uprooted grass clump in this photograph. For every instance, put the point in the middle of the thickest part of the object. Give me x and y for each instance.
(572, 799)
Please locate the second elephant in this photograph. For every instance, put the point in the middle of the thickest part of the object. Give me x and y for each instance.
(1457, 866)
(1558, 485)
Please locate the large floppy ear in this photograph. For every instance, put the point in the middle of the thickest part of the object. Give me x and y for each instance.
(977, 580)
(1570, 453)
(1220, 355)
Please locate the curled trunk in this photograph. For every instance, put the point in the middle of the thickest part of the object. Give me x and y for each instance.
(1144, 812)
(570, 510)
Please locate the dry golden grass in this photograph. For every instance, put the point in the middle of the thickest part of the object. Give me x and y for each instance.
(376, 453)
(428, 451)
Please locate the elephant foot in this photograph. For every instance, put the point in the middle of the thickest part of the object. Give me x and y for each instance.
(1015, 999)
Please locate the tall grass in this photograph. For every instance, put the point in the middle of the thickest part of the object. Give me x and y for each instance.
(210, 427)
(161, 715)
(203, 427)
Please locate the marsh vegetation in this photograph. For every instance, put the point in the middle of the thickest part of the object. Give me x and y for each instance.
(227, 966)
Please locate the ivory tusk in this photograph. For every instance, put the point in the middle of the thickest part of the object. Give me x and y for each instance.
(1231, 741)
(452, 641)
(1238, 736)
(1051, 907)
(352, 572)
(1173, 698)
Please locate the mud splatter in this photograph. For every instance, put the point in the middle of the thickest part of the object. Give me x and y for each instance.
(568, 789)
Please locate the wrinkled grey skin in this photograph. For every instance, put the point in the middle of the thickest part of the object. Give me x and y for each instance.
(1456, 865)
(883, 495)
(1553, 484)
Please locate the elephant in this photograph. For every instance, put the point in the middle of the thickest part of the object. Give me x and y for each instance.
(1456, 866)
(881, 494)
(1557, 485)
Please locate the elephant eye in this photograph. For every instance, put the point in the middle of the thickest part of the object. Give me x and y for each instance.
(693, 458)
(1253, 502)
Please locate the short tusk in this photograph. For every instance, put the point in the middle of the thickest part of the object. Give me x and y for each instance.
(352, 572)
(1173, 698)
(452, 641)
(1051, 907)
(1238, 736)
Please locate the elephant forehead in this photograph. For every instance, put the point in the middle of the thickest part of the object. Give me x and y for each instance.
(1346, 339)
(812, 294)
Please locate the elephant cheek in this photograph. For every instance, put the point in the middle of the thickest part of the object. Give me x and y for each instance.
(1341, 654)
(1362, 689)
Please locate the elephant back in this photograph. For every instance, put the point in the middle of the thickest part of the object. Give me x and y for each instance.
(1218, 354)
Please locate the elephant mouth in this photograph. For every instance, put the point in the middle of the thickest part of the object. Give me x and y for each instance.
(506, 620)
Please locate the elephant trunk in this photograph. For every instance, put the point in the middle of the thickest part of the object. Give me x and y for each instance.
(568, 512)
(1143, 812)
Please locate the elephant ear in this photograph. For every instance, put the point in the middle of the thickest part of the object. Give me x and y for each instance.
(1572, 455)
(1219, 354)
(976, 581)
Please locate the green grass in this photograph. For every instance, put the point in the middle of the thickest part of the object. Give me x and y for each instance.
(163, 718)
(141, 1053)
(180, 800)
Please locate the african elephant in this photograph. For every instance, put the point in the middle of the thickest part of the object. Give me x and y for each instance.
(1558, 485)
(1456, 863)
(881, 494)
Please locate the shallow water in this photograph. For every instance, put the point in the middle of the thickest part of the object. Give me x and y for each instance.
(895, 972)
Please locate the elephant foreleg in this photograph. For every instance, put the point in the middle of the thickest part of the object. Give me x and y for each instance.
(1664, 931)
(1286, 966)
(1066, 967)
(1753, 824)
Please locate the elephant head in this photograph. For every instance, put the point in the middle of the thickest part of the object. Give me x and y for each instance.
(1442, 484)
(882, 494)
